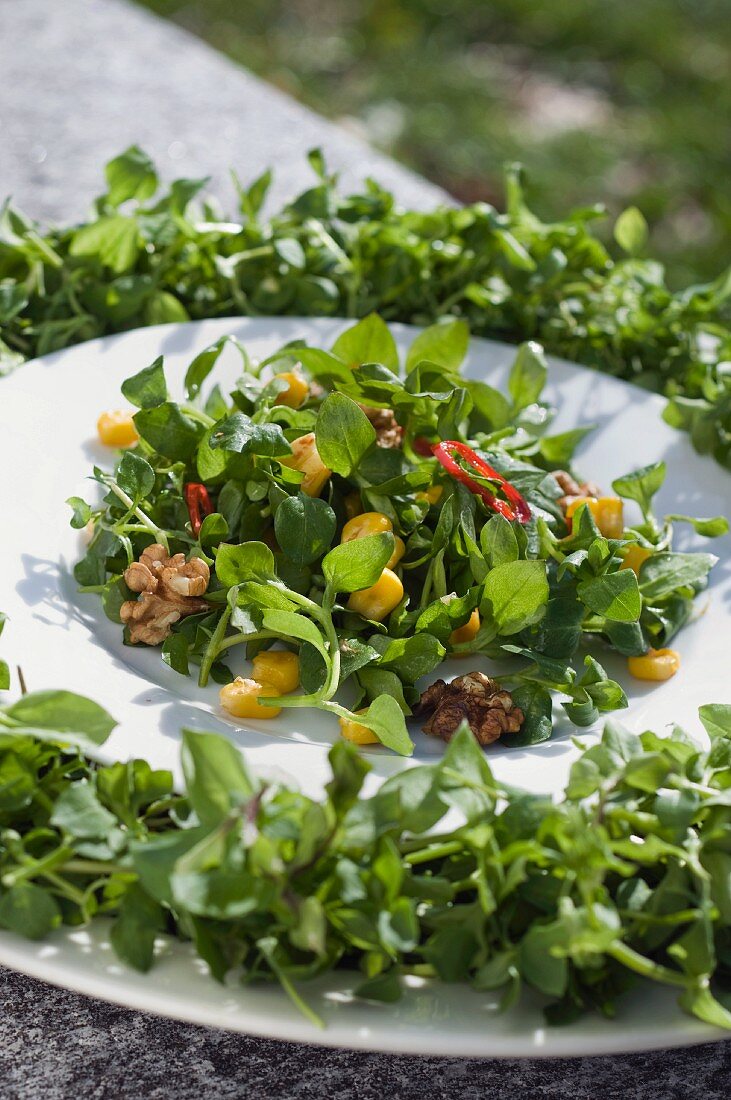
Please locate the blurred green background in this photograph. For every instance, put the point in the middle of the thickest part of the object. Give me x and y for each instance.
(623, 101)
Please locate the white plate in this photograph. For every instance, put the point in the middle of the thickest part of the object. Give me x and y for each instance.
(48, 412)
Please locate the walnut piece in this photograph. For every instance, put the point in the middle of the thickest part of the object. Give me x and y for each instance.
(572, 489)
(475, 698)
(169, 589)
(389, 432)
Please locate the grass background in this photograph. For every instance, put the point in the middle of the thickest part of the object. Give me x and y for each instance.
(623, 101)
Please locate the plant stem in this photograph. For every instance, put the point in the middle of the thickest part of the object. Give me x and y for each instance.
(144, 519)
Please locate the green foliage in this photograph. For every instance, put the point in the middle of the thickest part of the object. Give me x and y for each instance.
(505, 275)
(624, 878)
(542, 589)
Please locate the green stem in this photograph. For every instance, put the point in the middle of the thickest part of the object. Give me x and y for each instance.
(640, 964)
(35, 867)
(144, 519)
(436, 851)
(213, 647)
(197, 414)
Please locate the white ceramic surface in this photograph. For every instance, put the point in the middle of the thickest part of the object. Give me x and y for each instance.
(48, 412)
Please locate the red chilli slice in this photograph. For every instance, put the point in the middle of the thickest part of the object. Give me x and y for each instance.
(515, 507)
(198, 504)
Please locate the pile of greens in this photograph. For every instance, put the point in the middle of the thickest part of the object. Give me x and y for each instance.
(626, 878)
(543, 589)
(146, 257)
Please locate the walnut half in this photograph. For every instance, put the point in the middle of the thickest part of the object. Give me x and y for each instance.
(572, 489)
(475, 698)
(169, 589)
(389, 432)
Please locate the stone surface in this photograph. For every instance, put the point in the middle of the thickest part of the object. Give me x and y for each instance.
(79, 81)
(57, 1045)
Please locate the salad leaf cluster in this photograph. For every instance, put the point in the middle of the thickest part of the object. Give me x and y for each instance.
(442, 874)
(149, 256)
(280, 573)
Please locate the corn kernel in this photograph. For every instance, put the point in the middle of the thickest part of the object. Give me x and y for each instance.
(117, 429)
(432, 495)
(279, 669)
(241, 699)
(379, 600)
(353, 505)
(399, 549)
(369, 523)
(634, 558)
(296, 391)
(357, 733)
(608, 513)
(656, 664)
(306, 459)
(468, 632)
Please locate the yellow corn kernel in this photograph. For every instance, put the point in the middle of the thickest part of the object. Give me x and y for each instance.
(634, 558)
(379, 600)
(656, 664)
(369, 523)
(353, 505)
(468, 632)
(608, 513)
(433, 494)
(306, 459)
(279, 669)
(241, 699)
(355, 732)
(117, 429)
(399, 549)
(296, 391)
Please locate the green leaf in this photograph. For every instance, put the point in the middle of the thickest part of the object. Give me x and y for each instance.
(201, 367)
(498, 541)
(148, 388)
(412, 657)
(536, 704)
(716, 719)
(29, 911)
(17, 783)
(251, 561)
(216, 777)
(444, 344)
(82, 512)
(304, 527)
(515, 595)
(131, 175)
(168, 431)
(291, 625)
(641, 485)
(79, 813)
(528, 375)
(135, 476)
(368, 341)
(133, 933)
(385, 717)
(114, 240)
(240, 434)
(355, 565)
(616, 596)
(630, 231)
(662, 574)
(558, 450)
(343, 433)
(64, 716)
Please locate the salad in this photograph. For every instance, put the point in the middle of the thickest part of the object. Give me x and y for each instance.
(347, 522)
